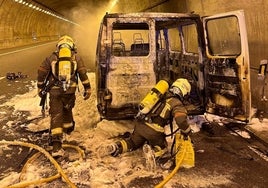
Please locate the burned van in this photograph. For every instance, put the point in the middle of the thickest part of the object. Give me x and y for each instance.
(136, 50)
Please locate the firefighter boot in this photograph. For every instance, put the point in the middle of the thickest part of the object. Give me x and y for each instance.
(56, 143)
(113, 149)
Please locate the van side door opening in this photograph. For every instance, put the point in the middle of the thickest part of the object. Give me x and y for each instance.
(186, 60)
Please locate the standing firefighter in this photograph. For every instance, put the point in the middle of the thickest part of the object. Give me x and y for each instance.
(149, 132)
(58, 75)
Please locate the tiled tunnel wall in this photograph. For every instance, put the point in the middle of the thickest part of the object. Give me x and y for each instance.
(21, 25)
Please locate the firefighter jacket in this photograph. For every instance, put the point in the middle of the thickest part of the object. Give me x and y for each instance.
(171, 108)
(45, 75)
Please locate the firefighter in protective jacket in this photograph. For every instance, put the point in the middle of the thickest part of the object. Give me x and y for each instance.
(151, 129)
(58, 75)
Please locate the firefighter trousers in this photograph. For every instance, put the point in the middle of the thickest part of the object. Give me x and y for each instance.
(143, 133)
(60, 111)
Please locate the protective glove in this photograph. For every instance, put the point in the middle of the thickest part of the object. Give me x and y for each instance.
(87, 94)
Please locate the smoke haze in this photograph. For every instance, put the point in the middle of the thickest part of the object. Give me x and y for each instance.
(89, 16)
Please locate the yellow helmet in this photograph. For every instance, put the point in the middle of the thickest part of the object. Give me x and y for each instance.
(66, 40)
(181, 87)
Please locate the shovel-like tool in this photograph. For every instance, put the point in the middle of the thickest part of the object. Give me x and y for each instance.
(188, 158)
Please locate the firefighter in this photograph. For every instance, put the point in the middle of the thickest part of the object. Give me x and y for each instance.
(58, 75)
(151, 129)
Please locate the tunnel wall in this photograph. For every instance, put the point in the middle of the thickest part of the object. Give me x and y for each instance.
(21, 25)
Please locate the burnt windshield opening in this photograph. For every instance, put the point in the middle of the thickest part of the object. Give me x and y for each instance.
(130, 39)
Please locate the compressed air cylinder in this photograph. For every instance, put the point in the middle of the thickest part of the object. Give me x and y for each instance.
(65, 67)
(153, 96)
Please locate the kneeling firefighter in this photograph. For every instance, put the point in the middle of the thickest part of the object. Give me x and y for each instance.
(150, 130)
(58, 75)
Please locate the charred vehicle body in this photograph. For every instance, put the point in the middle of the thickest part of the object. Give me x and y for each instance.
(136, 50)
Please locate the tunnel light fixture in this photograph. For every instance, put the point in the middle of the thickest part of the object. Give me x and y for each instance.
(38, 7)
(112, 4)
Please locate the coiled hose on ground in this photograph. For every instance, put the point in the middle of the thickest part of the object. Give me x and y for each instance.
(52, 160)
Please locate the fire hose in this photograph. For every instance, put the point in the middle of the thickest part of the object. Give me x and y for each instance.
(184, 157)
(52, 160)
(174, 171)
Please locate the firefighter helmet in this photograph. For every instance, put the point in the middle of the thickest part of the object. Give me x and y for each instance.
(181, 87)
(66, 40)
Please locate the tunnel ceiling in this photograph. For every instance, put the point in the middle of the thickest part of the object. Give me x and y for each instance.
(63, 7)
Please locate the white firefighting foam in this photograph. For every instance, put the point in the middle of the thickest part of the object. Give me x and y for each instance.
(90, 133)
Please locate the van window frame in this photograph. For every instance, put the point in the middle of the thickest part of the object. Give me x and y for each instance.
(136, 45)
